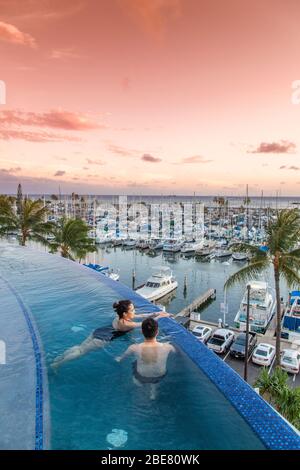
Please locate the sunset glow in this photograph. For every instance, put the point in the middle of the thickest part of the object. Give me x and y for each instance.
(150, 97)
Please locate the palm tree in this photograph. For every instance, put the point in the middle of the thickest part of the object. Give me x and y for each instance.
(29, 221)
(271, 385)
(288, 404)
(281, 253)
(71, 239)
(275, 390)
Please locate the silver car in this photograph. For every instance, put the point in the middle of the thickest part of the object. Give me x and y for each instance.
(221, 340)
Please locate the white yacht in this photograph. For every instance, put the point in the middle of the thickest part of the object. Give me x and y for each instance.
(239, 256)
(222, 254)
(129, 244)
(290, 328)
(172, 245)
(161, 283)
(262, 308)
(191, 247)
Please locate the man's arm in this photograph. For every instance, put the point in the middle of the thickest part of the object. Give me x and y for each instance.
(127, 353)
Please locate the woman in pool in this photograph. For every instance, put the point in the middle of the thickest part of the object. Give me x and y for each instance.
(122, 324)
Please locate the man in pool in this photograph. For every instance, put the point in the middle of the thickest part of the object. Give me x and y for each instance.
(122, 324)
(150, 366)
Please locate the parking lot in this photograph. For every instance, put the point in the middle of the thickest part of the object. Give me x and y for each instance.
(253, 369)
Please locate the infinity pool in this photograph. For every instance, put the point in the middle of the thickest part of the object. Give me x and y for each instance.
(92, 401)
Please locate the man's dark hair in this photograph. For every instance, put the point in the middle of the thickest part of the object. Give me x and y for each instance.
(149, 328)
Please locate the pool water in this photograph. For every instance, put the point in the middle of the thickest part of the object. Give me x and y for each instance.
(95, 395)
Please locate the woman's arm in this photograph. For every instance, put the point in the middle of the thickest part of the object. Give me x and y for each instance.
(153, 315)
(132, 324)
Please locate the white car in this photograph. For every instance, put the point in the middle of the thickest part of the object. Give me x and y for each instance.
(290, 361)
(221, 340)
(263, 354)
(203, 333)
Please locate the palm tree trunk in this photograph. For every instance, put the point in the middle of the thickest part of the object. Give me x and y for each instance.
(278, 313)
(23, 239)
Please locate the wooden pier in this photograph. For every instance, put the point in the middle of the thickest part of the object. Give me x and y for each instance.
(197, 303)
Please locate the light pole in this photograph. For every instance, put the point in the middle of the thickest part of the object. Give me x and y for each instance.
(247, 334)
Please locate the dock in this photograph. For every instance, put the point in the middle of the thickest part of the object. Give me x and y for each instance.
(197, 303)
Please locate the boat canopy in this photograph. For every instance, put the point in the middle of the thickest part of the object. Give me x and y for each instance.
(291, 323)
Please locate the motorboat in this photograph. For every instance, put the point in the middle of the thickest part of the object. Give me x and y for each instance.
(156, 244)
(239, 256)
(105, 270)
(262, 307)
(219, 254)
(161, 283)
(143, 244)
(290, 328)
(172, 245)
(129, 244)
(191, 247)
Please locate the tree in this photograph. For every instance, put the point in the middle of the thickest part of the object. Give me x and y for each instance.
(71, 239)
(30, 224)
(275, 390)
(19, 199)
(280, 252)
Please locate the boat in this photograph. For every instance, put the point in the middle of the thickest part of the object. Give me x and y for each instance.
(105, 270)
(222, 254)
(161, 283)
(290, 328)
(239, 256)
(262, 308)
(172, 245)
(156, 244)
(191, 247)
(129, 244)
(117, 242)
(143, 244)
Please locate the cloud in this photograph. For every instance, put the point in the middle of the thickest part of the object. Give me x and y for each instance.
(10, 134)
(149, 158)
(153, 15)
(64, 53)
(284, 146)
(95, 162)
(63, 159)
(10, 33)
(195, 159)
(124, 152)
(292, 167)
(11, 170)
(59, 173)
(39, 10)
(58, 119)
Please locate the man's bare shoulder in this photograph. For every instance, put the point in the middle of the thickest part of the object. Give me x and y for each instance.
(168, 347)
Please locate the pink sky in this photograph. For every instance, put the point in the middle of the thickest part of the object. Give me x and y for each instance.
(150, 97)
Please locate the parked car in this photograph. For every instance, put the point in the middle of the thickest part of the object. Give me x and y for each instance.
(203, 333)
(221, 340)
(290, 361)
(238, 348)
(263, 354)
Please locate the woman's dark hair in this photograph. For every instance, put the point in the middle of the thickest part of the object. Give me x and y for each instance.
(122, 307)
(149, 328)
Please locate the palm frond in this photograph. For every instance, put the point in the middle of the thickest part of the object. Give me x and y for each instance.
(251, 271)
(292, 277)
